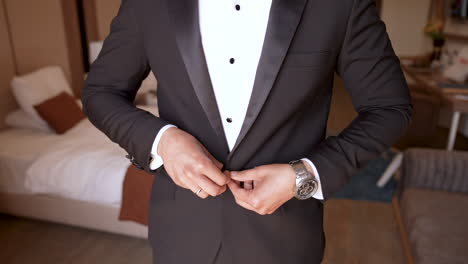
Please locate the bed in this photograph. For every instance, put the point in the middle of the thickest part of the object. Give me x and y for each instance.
(56, 166)
(84, 189)
(38, 179)
(75, 178)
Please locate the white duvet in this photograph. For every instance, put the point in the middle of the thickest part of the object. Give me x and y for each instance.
(83, 164)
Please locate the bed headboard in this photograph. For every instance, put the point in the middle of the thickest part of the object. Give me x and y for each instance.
(36, 34)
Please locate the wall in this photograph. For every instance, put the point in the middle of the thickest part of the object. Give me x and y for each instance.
(106, 10)
(7, 68)
(34, 34)
(31, 37)
(405, 20)
(39, 37)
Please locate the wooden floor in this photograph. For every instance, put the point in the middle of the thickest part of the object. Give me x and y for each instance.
(361, 232)
(357, 232)
(26, 241)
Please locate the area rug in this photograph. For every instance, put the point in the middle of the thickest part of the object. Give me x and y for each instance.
(363, 185)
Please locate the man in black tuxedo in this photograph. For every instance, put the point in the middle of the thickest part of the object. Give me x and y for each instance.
(244, 95)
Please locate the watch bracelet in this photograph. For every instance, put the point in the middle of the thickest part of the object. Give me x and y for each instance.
(300, 169)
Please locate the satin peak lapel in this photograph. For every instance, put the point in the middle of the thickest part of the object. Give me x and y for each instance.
(184, 17)
(285, 16)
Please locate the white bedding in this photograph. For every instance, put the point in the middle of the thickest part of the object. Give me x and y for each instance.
(19, 148)
(82, 164)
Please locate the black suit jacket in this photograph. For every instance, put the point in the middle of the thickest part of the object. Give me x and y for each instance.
(307, 41)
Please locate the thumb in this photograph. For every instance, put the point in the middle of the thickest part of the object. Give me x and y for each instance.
(246, 175)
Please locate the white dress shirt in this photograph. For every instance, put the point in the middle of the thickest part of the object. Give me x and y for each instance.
(232, 33)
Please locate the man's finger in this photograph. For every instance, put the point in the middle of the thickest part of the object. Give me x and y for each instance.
(207, 185)
(245, 205)
(186, 183)
(248, 185)
(242, 197)
(202, 194)
(214, 173)
(223, 189)
(238, 192)
(246, 175)
(189, 184)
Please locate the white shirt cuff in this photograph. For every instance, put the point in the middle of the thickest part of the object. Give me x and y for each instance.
(319, 194)
(157, 160)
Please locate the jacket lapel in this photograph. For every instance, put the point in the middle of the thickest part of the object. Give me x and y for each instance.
(285, 16)
(184, 17)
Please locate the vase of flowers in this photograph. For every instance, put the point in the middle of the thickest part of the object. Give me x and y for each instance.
(435, 32)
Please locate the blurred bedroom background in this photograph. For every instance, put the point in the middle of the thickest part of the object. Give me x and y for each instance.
(69, 195)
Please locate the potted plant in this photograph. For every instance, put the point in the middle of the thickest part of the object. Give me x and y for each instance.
(435, 31)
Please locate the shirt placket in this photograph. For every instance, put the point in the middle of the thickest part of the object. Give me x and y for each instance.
(233, 103)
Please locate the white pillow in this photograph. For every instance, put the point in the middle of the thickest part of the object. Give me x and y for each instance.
(36, 87)
(95, 48)
(21, 119)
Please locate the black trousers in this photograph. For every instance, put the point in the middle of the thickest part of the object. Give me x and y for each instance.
(222, 257)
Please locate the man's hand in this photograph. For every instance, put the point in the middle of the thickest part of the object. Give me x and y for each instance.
(272, 187)
(190, 165)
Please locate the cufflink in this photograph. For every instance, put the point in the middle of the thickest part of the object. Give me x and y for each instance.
(132, 160)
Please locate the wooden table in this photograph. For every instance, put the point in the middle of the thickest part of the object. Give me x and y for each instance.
(453, 99)
(427, 81)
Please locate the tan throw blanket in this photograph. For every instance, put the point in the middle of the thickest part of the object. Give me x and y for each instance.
(136, 195)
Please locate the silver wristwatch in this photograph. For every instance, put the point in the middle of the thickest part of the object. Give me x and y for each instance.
(306, 184)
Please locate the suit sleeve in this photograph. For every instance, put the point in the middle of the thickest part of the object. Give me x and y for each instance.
(111, 87)
(372, 75)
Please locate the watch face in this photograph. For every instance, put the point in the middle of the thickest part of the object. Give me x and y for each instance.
(306, 189)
